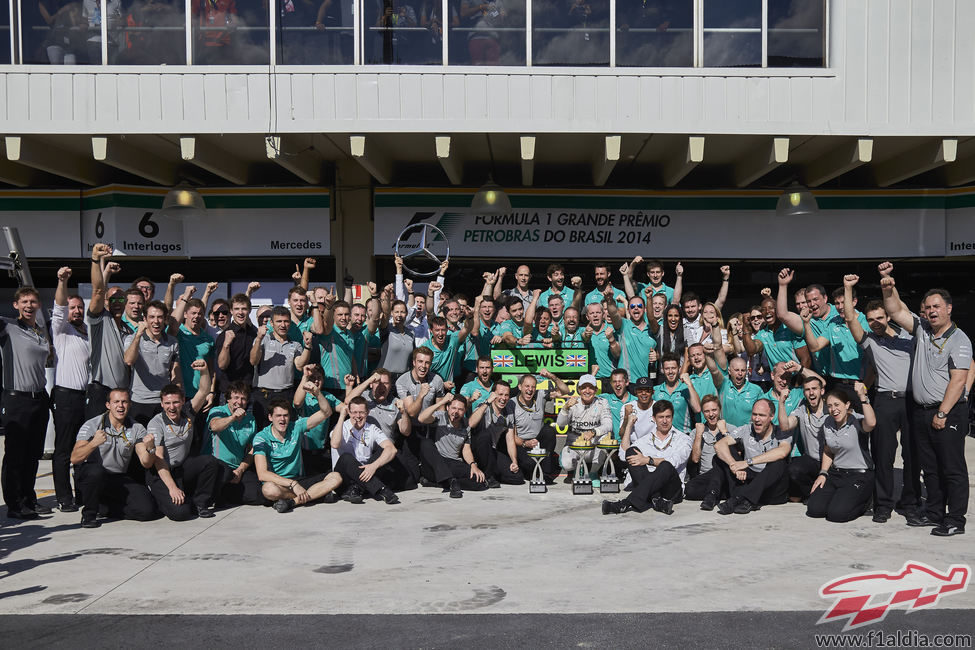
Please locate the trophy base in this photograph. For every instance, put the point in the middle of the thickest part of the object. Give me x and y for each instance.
(581, 487)
(609, 486)
(537, 488)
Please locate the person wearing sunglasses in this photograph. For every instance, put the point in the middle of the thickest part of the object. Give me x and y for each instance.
(218, 318)
(764, 332)
(107, 332)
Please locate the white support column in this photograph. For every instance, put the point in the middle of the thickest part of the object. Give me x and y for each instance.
(527, 160)
(680, 166)
(449, 160)
(909, 164)
(213, 159)
(760, 163)
(104, 30)
(604, 161)
(293, 156)
(53, 161)
(133, 160)
(838, 162)
(376, 164)
(188, 15)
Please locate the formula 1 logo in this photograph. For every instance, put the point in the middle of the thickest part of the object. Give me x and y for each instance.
(865, 598)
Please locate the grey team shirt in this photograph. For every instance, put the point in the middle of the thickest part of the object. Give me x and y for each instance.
(934, 358)
(891, 356)
(107, 361)
(153, 368)
(25, 350)
(116, 451)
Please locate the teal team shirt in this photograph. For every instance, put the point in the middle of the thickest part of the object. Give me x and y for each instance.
(192, 347)
(845, 356)
(567, 293)
(780, 345)
(596, 295)
(230, 445)
(317, 437)
(791, 402)
(479, 345)
(635, 346)
(680, 398)
(616, 405)
(283, 457)
(338, 352)
(297, 330)
(819, 327)
(572, 339)
(473, 386)
(736, 404)
(600, 354)
(444, 360)
(664, 289)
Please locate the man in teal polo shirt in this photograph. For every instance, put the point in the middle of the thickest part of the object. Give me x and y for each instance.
(736, 393)
(845, 356)
(600, 338)
(338, 345)
(618, 396)
(603, 285)
(446, 345)
(782, 380)
(479, 389)
(277, 457)
(679, 391)
(556, 278)
(315, 448)
(301, 318)
(655, 273)
(820, 314)
(231, 432)
(194, 341)
(773, 337)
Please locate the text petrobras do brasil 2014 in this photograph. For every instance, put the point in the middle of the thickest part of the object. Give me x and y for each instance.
(570, 227)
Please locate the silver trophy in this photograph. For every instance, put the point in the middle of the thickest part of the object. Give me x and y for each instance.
(537, 484)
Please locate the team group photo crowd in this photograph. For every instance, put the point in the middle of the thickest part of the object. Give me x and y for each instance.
(170, 402)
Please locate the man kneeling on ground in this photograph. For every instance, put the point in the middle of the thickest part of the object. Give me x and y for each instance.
(362, 450)
(446, 456)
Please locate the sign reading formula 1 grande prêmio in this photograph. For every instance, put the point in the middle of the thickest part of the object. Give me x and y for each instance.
(550, 224)
(560, 361)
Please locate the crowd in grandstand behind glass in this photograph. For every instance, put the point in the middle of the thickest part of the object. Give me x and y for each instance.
(179, 405)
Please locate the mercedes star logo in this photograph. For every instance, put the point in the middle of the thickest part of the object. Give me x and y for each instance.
(432, 247)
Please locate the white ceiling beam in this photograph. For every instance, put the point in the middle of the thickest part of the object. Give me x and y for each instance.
(54, 161)
(838, 162)
(604, 161)
(527, 159)
(133, 160)
(213, 159)
(680, 166)
(378, 166)
(295, 156)
(909, 164)
(449, 160)
(761, 162)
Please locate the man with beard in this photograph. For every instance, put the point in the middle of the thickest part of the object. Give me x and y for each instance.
(71, 376)
(820, 313)
(234, 345)
(679, 391)
(889, 349)
(446, 455)
(759, 478)
(774, 338)
(339, 347)
(635, 335)
(153, 356)
(618, 396)
(808, 416)
(179, 481)
(557, 286)
(276, 358)
(603, 287)
(107, 332)
(231, 435)
(478, 389)
(493, 440)
(188, 325)
(736, 393)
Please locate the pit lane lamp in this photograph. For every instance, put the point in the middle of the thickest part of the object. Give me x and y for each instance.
(796, 201)
(183, 202)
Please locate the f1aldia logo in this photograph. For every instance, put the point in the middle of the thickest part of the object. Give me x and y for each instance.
(865, 598)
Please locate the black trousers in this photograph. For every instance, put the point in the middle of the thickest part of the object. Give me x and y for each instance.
(25, 427)
(261, 397)
(142, 412)
(123, 497)
(403, 472)
(68, 410)
(317, 461)
(803, 471)
(438, 469)
(699, 486)
(767, 487)
(245, 492)
(551, 468)
(941, 455)
(844, 497)
(348, 467)
(493, 458)
(663, 481)
(95, 398)
(197, 477)
(892, 417)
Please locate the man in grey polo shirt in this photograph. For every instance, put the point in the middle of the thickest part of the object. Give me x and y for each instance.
(106, 331)
(275, 358)
(446, 454)
(941, 360)
(419, 388)
(759, 478)
(25, 349)
(889, 349)
(153, 356)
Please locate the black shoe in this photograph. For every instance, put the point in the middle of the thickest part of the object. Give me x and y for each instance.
(425, 482)
(284, 505)
(919, 520)
(567, 479)
(947, 531)
(493, 482)
(616, 507)
(331, 497)
(21, 514)
(90, 521)
(666, 506)
(710, 500)
(728, 507)
(388, 496)
(205, 513)
(67, 506)
(41, 509)
(880, 515)
(455, 491)
(744, 507)
(355, 494)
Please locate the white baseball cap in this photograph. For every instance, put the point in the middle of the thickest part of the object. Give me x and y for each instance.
(587, 379)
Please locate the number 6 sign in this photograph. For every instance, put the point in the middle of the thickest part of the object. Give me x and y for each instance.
(137, 232)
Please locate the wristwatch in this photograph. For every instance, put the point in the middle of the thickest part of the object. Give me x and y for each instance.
(749, 461)
(941, 415)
